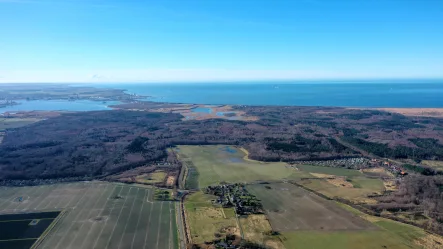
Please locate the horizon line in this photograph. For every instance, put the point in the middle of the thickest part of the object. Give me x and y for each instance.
(236, 81)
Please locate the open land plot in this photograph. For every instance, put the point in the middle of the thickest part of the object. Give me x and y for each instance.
(256, 228)
(310, 222)
(223, 163)
(291, 208)
(98, 215)
(345, 240)
(377, 172)
(434, 164)
(157, 176)
(358, 193)
(206, 221)
(343, 183)
(329, 170)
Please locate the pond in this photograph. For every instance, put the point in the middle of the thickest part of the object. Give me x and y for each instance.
(228, 149)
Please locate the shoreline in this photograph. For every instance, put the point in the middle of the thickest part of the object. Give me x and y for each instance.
(435, 112)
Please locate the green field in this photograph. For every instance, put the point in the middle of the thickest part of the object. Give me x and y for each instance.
(98, 215)
(347, 240)
(391, 234)
(304, 219)
(309, 222)
(356, 194)
(151, 178)
(223, 163)
(362, 185)
(205, 220)
(370, 184)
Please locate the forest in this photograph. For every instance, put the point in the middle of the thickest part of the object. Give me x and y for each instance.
(419, 195)
(100, 143)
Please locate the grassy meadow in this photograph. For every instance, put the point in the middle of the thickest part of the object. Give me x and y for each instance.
(303, 219)
(221, 163)
(151, 178)
(207, 221)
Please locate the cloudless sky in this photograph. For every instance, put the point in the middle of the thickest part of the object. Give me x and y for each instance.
(173, 40)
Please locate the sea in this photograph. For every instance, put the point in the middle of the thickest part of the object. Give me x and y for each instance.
(373, 93)
(387, 93)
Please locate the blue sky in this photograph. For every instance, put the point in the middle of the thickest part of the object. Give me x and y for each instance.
(201, 40)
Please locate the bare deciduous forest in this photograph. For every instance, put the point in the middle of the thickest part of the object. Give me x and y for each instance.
(103, 142)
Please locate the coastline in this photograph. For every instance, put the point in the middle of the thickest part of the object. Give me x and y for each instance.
(412, 112)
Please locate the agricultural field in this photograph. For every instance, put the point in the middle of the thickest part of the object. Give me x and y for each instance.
(329, 170)
(221, 163)
(24, 230)
(358, 193)
(306, 221)
(292, 208)
(97, 215)
(207, 221)
(348, 184)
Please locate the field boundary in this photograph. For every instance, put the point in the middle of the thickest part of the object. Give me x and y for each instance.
(182, 176)
(48, 230)
(188, 237)
(363, 209)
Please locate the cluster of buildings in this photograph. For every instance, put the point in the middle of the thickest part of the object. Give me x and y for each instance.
(236, 195)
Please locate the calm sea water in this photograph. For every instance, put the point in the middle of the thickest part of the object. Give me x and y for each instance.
(58, 105)
(411, 93)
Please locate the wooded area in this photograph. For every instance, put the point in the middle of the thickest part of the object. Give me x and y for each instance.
(100, 143)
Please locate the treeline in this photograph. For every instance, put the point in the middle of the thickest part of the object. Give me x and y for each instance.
(417, 194)
(94, 144)
(422, 170)
(428, 149)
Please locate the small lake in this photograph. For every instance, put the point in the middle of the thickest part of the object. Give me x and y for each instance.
(58, 105)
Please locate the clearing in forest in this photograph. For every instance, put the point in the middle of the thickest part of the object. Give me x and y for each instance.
(157, 176)
(223, 163)
(97, 215)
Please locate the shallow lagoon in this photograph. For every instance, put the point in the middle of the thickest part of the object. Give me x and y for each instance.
(58, 105)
